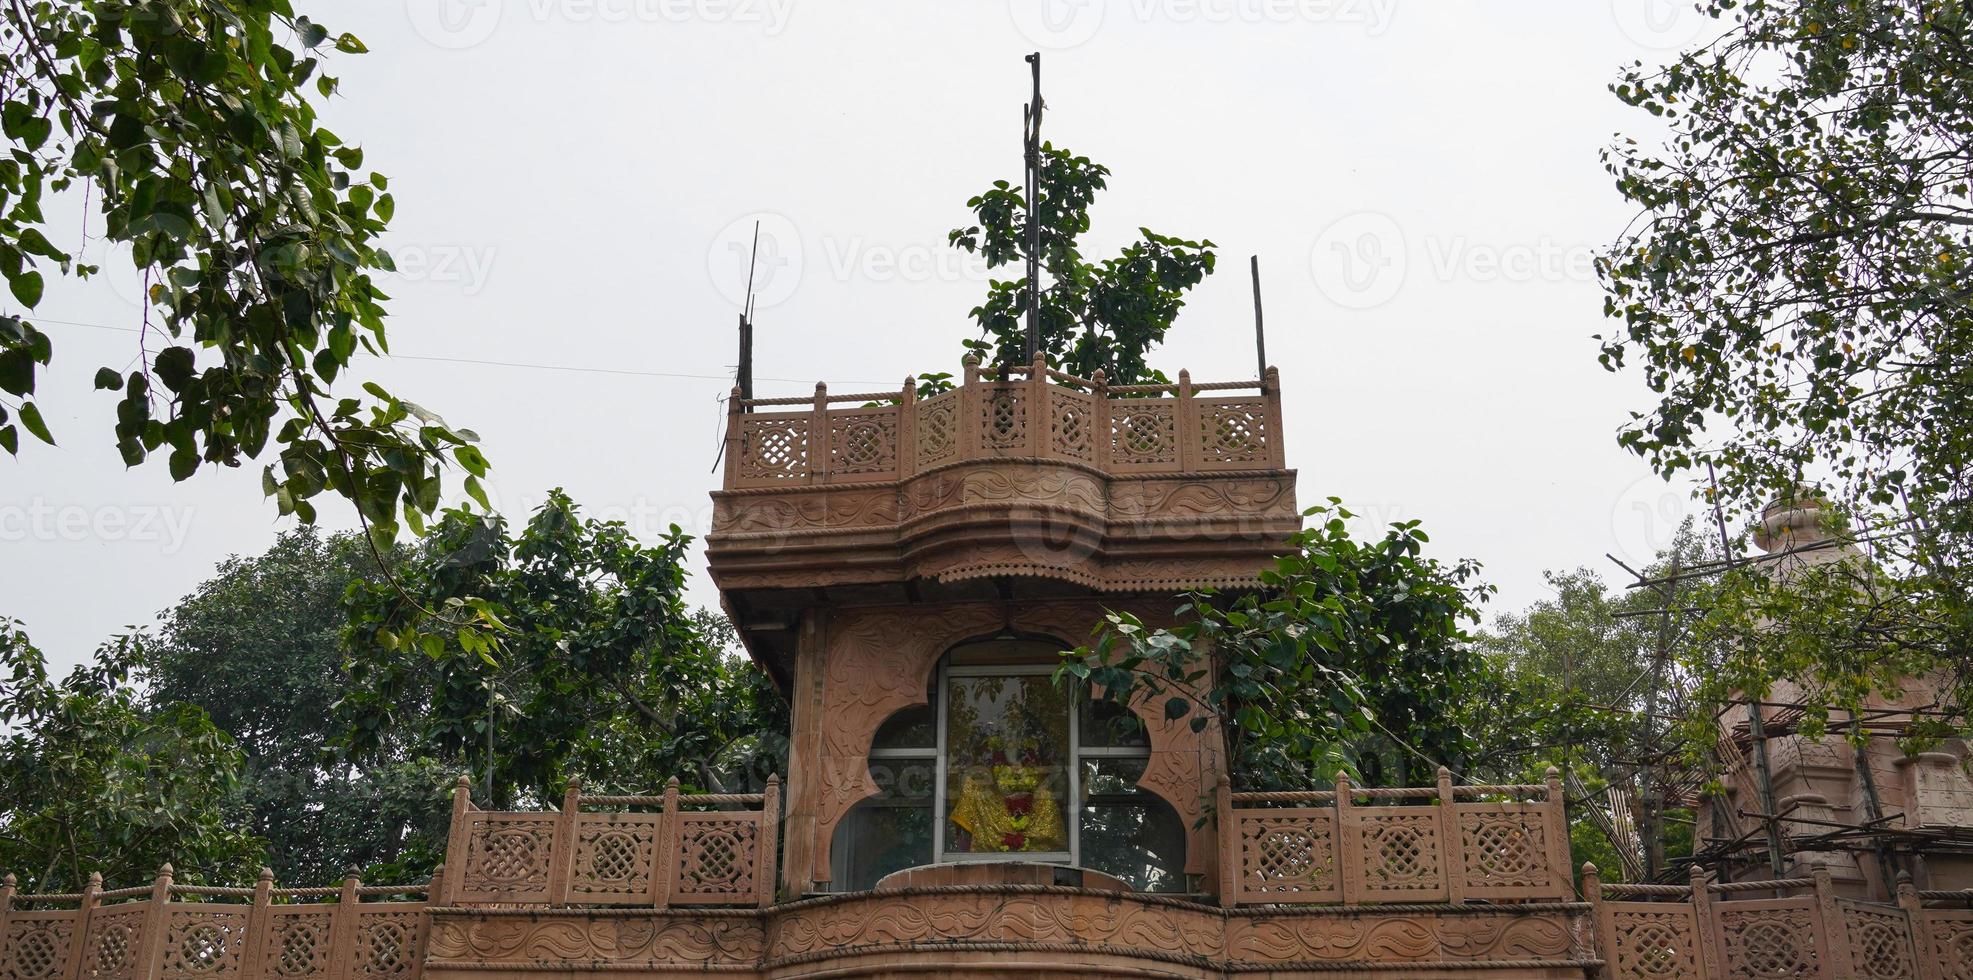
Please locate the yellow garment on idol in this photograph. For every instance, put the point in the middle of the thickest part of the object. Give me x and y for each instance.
(1009, 808)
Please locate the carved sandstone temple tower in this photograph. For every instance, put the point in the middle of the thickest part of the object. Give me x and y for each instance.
(906, 569)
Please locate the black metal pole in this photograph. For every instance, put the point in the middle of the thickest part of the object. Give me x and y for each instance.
(1032, 152)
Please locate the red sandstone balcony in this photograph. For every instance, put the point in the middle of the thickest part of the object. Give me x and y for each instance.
(1042, 484)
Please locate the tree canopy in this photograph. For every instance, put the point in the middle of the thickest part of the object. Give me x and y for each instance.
(594, 666)
(1351, 655)
(1094, 315)
(96, 783)
(189, 126)
(1794, 291)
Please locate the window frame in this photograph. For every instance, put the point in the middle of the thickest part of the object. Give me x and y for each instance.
(1072, 805)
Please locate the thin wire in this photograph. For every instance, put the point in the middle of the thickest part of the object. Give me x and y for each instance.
(576, 368)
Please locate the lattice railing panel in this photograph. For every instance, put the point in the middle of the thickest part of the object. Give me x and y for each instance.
(1769, 939)
(616, 857)
(115, 941)
(1653, 942)
(1004, 419)
(1143, 434)
(202, 940)
(1233, 431)
(863, 444)
(1504, 850)
(1288, 856)
(507, 857)
(297, 946)
(390, 943)
(716, 859)
(1880, 941)
(1400, 854)
(1072, 422)
(36, 945)
(773, 449)
(1950, 942)
(938, 429)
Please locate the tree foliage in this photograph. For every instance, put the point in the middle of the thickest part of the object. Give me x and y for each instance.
(258, 646)
(1351, 655)
(1795, 291)
(91, 781)
(1094, 315)
(188, 124)
(593, 653)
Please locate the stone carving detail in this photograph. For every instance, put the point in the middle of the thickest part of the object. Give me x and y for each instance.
(938, 428)
(863, 442)
(114, 937)
(824, 508)
(615, 855)
(716, 856)
(1287, 851)
(508, 854)
(773, 448)
(620, 941)
(1880, 942)
(300, 946)
(1655, 945)
(1004, 422)
(1329, 936)
(36, 949)
(203, 943)
(1504, 849)
(1952, 942)
(1143, 433)
(1401, 852)
(1233, 431)
(1124, 926)
(387, 944)
(1768, 944)
(1072, 425)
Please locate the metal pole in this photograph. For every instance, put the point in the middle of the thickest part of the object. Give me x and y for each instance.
(1032, 152)
(1260, 327)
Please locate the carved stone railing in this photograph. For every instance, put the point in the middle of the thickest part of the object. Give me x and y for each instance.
(1046, 415)
(167, 931)
(1455, 844)
(1794, 927)
(678, 855)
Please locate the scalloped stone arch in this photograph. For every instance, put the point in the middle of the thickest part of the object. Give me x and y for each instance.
(879, 661)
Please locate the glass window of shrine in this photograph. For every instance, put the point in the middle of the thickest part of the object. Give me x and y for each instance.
(1003, 765)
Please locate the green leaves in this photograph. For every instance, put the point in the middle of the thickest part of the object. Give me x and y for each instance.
(1348, 657)
(1093, 317)
(191, 126)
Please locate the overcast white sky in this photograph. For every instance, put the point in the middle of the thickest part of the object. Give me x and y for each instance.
(575, 177)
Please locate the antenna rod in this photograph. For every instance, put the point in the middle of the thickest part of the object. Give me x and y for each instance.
(745, 380)
(1033, 154)
(1260, 327)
